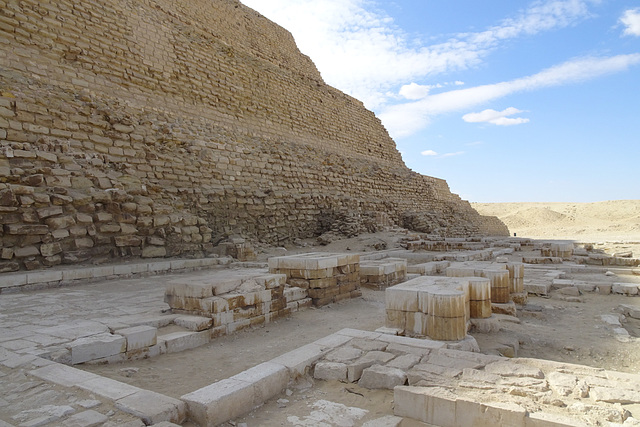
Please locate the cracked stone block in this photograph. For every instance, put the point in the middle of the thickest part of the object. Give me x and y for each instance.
(330, 371)
(382, 377)
(96, 347)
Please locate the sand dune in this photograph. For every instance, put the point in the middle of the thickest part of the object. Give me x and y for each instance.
(616, 220)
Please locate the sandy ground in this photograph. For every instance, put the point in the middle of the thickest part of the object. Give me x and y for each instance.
(612, 221)
(549, 328)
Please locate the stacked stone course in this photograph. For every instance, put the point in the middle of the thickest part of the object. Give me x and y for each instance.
(160, 128)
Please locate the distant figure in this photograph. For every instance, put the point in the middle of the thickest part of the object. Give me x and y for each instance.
(514, 234)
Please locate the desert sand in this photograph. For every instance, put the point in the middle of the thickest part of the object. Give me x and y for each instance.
(613, 221)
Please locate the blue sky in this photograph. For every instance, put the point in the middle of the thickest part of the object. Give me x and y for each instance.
(507, 100)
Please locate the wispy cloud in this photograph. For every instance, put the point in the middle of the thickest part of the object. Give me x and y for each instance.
(431, 153)
(406, 119)
(631, 21)
(499, 118)
(366, 55)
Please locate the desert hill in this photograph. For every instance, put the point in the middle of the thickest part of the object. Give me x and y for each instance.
(614, 220)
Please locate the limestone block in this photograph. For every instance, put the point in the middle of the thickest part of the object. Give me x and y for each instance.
(446, 328)
(294, 294)
(192, 290)
(382, 377)
(86, 419)
(386, 421)
(193, 323)
(230, 398)
(405, 362)
(401, 298)
(537, 288)
(44, 277)
(544, 419)
(628, 289)
(180, 341)
(509, 308)
(472, 413)
(297, 361)
(629, 310)
(432, 405)
(153, 407)
(139, 337)
(509, 369)
(614, 395)
(96, 347)
(330, 371)
(63, 375)
(343, 354)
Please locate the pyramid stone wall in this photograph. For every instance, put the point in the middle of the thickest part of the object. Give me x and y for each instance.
(157, 128)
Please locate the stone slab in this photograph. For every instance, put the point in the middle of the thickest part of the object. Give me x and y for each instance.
(153, 407)
(139, 337)
(96, 347)
(232, 397)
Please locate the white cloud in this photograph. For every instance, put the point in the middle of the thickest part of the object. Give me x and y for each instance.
(631, 20)
(457, 153)
(429, 153)
(414, 91)
(359, 49)
(406, 119)
(496, 117)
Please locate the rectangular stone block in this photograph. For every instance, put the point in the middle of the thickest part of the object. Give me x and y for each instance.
(153, 408)
(44, 277)
(180, 341)
(193, 323)
(96, 347)
(139, 337)
(469, 412)
(230, 398)
(63, 375)
(432, 405)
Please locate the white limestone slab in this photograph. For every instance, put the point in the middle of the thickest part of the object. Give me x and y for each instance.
(63, 375)
(153, 407)
(139, 337)
(96, 347)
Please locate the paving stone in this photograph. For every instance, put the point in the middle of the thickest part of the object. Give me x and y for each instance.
(86, 419)
(230, 398)
(448, 362)
(96, 347)
(386, 421)
(343, 354)
(63, 375)
(405, 362)
(382, 377)
(108, 388)
(614, 395)
(368, 345)
(329, 371)
(508, 369)
(297, 361)
(153, 407)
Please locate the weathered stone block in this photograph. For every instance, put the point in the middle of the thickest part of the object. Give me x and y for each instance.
(139, 337)
(96, 347)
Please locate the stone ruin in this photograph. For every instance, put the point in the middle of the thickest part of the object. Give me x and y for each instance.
(174, 127)
(190, 129)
